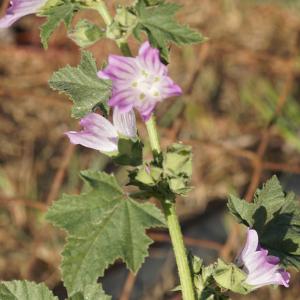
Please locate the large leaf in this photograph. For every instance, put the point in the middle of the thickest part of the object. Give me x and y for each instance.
(103, 225)
(24, 290)
(82, 85)
(56, 12)
(91, 292)
(161, 27)
(276, 218)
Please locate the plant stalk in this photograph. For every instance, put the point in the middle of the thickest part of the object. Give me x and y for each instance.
(168, 206)
(184, 271)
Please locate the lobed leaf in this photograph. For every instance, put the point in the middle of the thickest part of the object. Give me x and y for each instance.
(161, 27)
(276, 218)
(91, 292)
(82, 85)
(103, 225)
(24, 290)
(56, 12)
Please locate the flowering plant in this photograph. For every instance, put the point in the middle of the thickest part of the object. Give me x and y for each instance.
(106, 223)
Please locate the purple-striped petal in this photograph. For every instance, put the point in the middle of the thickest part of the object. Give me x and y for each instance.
(98, 133)
(19, 9)
(140, 82)
(125, 123)
(262, 269)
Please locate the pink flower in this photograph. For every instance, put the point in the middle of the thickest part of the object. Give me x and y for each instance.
(100, 134)
(139, 82)
(261, 268)
(18, 9)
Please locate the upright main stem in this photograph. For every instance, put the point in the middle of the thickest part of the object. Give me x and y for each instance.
(168, 206)
(174, 226)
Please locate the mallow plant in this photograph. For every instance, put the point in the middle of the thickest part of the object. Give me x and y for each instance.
(106, 222)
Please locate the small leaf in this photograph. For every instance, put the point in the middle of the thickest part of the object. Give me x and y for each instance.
(82, 85)
(85, 33)
(276, 218)
(91, 292)
(56, 12)
(103, 225)
(161, 27)
(24, 290)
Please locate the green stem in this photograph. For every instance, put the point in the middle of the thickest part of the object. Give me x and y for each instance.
(153, 135)
(174, 226)
(168, 206)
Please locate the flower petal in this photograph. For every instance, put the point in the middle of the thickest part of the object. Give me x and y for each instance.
(98, 133)
(262, 269)
(18, 9)
(250, 246)
(149, 58)
(140, 82)
(125, 123)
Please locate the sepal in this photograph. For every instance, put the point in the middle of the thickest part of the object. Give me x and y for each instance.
(85, 33)
(122, 25)
(130, 152)
(167, 175)
(230, 277)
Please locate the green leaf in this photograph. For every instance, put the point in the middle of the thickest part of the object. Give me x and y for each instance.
(241, 210)
(24, 290)
(82, 85)
(56, 12)
(230, 277)
(91, 292)
(85, 33)
(103, 225)
(161, 27)
(276, 218)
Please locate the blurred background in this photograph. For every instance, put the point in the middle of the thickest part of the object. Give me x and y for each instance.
(240, 112)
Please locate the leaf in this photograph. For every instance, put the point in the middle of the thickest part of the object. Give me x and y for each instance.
(161, 27)
(56, 13)
(241, 210)
(91, 292)
(230, 277)
(82, 85)
(103, 225)
(85, 33)
(276, 218)
(24, 290)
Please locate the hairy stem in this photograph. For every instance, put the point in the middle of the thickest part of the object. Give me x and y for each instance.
(168, 206)
(153, 135)
(174, 226)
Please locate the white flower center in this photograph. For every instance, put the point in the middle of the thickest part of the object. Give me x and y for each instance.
(147, 85)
